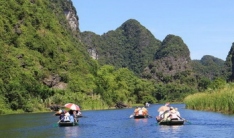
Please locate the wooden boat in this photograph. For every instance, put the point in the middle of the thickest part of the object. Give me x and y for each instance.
(141, 116)
(79, 116)
(67, 123)
(57, 114)
(170, 122)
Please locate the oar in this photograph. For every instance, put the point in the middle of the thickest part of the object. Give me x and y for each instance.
(158, 122)
(187, 121)
(131, 116)
(150, 116)
(184, 120)
(60, 120)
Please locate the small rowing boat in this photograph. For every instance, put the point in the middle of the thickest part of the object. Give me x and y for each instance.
(67, 123)
(170, 122)
(141, 116)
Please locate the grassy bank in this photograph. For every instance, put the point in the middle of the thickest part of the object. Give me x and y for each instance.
(221, 100)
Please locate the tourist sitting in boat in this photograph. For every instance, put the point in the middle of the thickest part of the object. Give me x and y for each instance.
(163, 111)
(171, 114)
(67, 117)
(144, 111)
(147, 104)
(177, 112)
(78, 113)
(174, 114)
(61, 116)
(136, 111)
(164, 108)
(58, 112)
(140, 112)
(75, 116)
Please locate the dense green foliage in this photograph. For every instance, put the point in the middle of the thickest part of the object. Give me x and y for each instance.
(171, 59)
(173, 46)
(229, 64)
(131, 45)
(171, 71)
(35, 43)
(122, 85)
(209, 67)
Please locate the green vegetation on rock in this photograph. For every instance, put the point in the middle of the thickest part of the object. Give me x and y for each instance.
(45, 59)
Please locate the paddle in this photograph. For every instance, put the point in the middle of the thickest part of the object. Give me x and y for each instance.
(187, 121)
(184, 120)
(131, 116)
(60, 120)
(158, 122)
(150, 116)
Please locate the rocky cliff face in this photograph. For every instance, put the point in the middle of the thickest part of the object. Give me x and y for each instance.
(70, 14)
(92, 41)
(173, 57)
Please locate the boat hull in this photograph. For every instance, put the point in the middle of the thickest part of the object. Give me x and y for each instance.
(141, 116)
(57, 114)
(171, 122)
(68, 123)
(79, 116)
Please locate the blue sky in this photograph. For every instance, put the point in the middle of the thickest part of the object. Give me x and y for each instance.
(206, 26)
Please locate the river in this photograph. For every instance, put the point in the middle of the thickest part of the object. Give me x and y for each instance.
(117, 124)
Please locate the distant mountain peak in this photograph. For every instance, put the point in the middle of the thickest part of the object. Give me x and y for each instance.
(174, 46)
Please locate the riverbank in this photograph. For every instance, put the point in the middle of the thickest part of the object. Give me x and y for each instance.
(47, 110)
(221, 100)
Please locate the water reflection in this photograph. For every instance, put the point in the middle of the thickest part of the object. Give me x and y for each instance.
(171, 129)
(71, 132)
(144, 120)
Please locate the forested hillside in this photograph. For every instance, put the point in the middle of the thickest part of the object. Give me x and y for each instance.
(131, 45)
(166, 64)
(40, 54)
(172, 58)
(42, 61)
(210, 67)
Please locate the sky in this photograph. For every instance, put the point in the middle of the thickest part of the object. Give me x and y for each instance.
(206, 26)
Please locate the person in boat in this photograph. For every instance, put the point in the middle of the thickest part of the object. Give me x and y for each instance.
(147, 104)
(163, 111)
(144, 111)
(136, 111)
(75, 116)
(177, 112)
(66, 117)
(140, 111)
(61, 116)
(78, 113)
(72, 116)
(174, 114)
